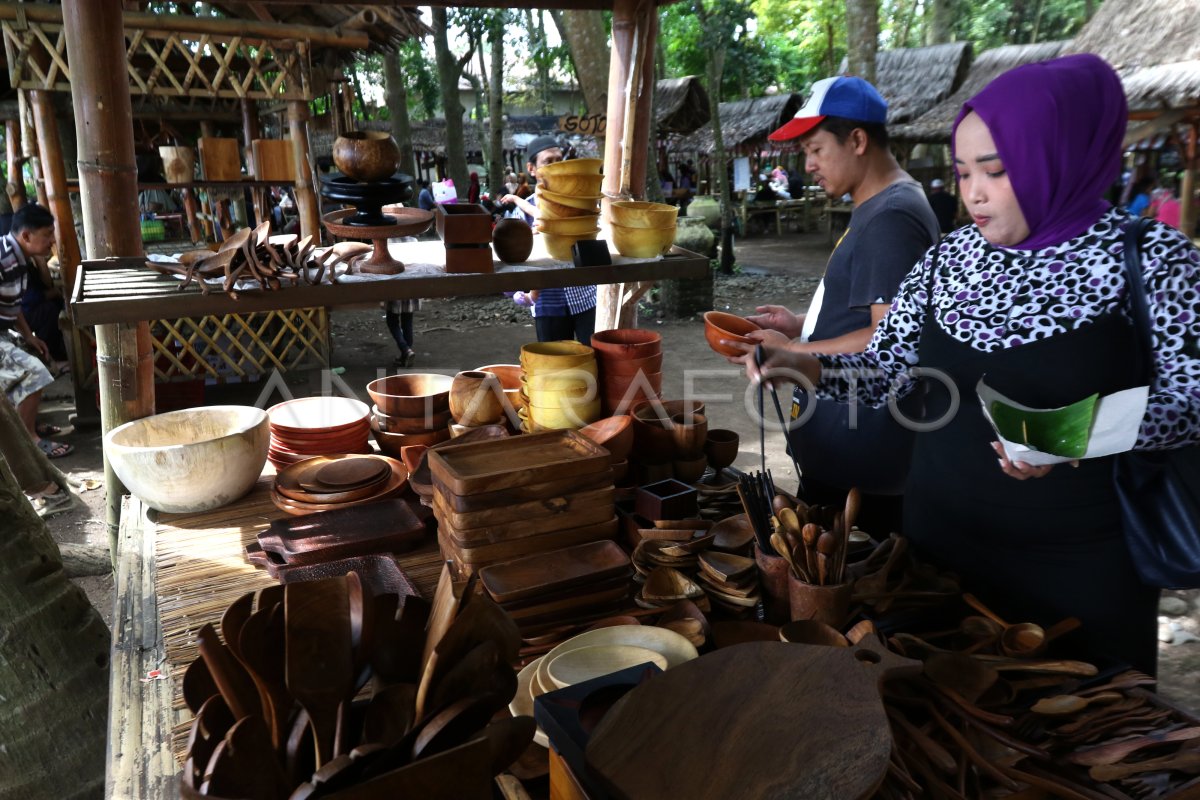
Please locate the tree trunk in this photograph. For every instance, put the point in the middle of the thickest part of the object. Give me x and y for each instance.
(496, 171)
(358, 95)
(480, 103)
(941, 22)
(449, 70)
(583, 31)
(654, 192)
(714, 70)
(31, 468)
(862, 37)
(397, 103)
(54, 661)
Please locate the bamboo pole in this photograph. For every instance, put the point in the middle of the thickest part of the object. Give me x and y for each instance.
(336, 36)
(108, 188)
(306, 198)
(250, 132)
(16, 164)
(29, 146)
(54, 168)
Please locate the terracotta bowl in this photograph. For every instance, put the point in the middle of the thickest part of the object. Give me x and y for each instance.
(574, 166)
(390, 444)
(549, 356)
(638, 214)
(570, 226)
(588, 204)
(308, 415)
(426, 422)
(559, 247)
(721, 447)
(614, 434)
(626, 343)
(548, 209)
(411, 395)
(475, 398)
(572, 185)
(642, 242)
(366, 156)
(690, 432)
(631, 366)
(718, 325)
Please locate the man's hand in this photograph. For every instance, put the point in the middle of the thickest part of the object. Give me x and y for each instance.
(40, 347)
(778, 318)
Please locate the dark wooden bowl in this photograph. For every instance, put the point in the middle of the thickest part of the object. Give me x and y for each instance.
(366, 156)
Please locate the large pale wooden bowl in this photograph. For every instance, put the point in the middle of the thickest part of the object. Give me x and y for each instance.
(642, 242)
(548, 209)
(193, 460)
(640, 214)
(574, 201)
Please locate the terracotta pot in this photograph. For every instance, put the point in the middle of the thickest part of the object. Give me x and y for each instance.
(690, 432)
(512, 239)
(627, 343)
(708, 208)
(366, 156)
(721, 447)
(773, 573)
(475, 398)
(718, 325)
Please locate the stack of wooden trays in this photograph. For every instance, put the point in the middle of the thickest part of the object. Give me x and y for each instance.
(561, 587)
(506, 498)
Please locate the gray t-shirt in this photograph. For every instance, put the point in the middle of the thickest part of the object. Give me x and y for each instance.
(839, 445)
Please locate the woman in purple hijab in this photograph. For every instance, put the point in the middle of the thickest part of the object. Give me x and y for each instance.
(1033, 296)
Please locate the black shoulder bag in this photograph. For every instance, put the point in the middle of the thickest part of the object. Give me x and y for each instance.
(1159, 491)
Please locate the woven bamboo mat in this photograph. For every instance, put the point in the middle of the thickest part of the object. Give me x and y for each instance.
(200, 570)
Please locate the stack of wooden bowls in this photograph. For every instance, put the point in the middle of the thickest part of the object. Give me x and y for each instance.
(630, 362)
(669, 440)
(477, 399)
(317, 426)
(409, 410)
(642, 230)
(559, 386)
(325, 483)
(568, 204)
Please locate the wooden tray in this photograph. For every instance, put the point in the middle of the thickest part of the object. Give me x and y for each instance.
(482, 555)
(609, 593)
(220, 159)
(520, 494)
(387, 526)
(546, 573)
(522, 529)
(379, 572)
(273, 160)
(529, 511)
(516, 461)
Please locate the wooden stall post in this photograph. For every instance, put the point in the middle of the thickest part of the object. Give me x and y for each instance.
(108, 186)
(16, 164)
(250, 132)
(29, 148)
(55, 171)
(306, 198)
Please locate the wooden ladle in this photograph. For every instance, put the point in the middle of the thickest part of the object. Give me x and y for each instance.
(1025, 639)
(1064, 704)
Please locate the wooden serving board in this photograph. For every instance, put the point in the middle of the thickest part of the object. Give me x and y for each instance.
(787, 721)
(219, 159)
(516, 461)
(273, 160)
(561, 508)
(387, 526)
(521, 494)
(482, 555)
(546, 573)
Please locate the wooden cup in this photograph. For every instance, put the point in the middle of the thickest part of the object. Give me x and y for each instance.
(773, 575)
(828, 604)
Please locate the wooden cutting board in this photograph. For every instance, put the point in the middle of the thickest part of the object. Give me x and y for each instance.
(516, 461)
(273, 160)
(545, 573)
(219, 159)
(385, 527)
(780, 720)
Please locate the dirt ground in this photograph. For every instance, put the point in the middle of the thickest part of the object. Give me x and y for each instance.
(461, 333)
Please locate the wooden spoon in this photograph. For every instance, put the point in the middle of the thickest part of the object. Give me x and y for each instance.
(263, 641)
(1183, 761)
(227, 672)
(810, 533)
(1064, 704)
(827, 545)
(198, 685)
(320, 667)
(1118, 751)
(232, 620)
(389, 715)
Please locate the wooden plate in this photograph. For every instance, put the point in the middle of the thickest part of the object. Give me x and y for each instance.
(585, 663)
(392, 487)
(291, 481)
(516, 461)
(522, 702)
(307, 414)
(674, 647)
(546, 573)
(345, 532)
(348, 473)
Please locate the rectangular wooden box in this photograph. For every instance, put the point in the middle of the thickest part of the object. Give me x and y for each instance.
(273, 160)
(219, 159)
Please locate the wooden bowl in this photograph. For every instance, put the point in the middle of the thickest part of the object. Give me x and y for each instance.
(574, 166)
(619, 343)
(638, 214)
(391, 444)
(689, 470)
(411, 395)
(569, 415)
(690, 431)
(577, 666)
(548, 209)
(559, 247)
(649, 365)
(475, 398)
(642, 242)
(654, 440)
(512, 241)
(422, 424)
(308, 415)
(675, 648)
(588, 204)
(510, 381)
(718, 325)
(614, 434)
(549, 356)
(570, 226)
(733, 534)
(366, 156)
(721, 447)
(571, 185)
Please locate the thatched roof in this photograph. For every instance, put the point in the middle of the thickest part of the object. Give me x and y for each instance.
(387, 27)
(1154, 46)
(915, 79)
(934, 125)
(430, 135)
(680, 105)
(745, 124)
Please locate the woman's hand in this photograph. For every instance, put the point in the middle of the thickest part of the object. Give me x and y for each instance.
(778, 318)
(1019, 469)
(782, 363)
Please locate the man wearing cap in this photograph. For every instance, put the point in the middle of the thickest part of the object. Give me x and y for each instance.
(842, 129)
(568, 313)
(944, 205)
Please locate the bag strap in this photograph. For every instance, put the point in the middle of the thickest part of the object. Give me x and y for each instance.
(1139, 305)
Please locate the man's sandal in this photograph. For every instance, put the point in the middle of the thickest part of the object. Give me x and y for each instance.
(55, 449)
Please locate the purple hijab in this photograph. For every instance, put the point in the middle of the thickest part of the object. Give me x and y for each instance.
(1058, 127)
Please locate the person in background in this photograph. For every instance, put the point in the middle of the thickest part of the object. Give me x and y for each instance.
(398, 316)
(1166, 207)
(24, 376)
(839, 446)
(1034, 295)
(523, 189)
(510, 184)
(1139, 196)
(473, 189)
(567, 313)
(425, 196)
(944, 205)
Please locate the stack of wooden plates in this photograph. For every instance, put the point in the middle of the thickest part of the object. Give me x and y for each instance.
(317, 426)
(324, 483)
(561, 587)
(505, 498)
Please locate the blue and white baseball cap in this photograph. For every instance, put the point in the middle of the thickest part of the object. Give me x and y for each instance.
(849, 98)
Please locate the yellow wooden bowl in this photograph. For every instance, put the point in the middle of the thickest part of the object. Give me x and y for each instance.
(570, 226)
(638, 214)
(559, 247)
(570, 415)
(573, 185)
(548, 209)
(547, 356)
(587, 203)
(574, 166)
(642, 242)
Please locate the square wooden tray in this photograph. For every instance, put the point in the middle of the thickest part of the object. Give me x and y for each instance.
(516, 461)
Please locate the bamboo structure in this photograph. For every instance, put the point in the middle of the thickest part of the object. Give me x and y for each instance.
(250, 132)
(108, 185)
(16, 164)
(306, 198)
(54, 169)
(29, 146)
